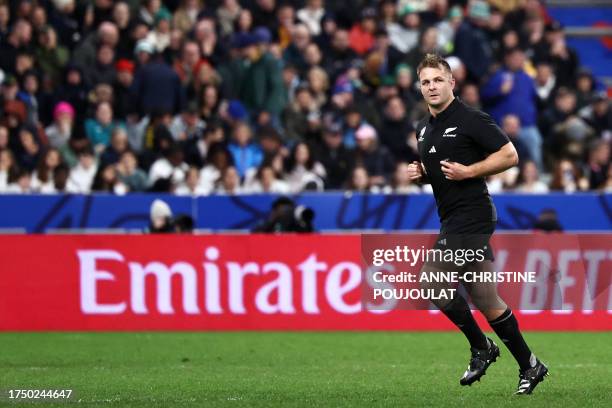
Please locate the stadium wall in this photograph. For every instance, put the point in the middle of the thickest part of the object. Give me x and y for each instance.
(334, 211)
(267, 282)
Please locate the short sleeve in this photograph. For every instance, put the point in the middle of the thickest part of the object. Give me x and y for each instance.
(485, 132)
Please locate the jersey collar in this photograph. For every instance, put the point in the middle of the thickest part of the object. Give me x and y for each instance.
(442, 116)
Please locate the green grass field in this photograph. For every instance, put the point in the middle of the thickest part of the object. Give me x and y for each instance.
(296, 369)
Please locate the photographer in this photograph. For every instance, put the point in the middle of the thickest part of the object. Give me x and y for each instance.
(285, 216)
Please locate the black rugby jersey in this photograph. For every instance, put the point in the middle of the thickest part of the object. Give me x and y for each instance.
(464, 135)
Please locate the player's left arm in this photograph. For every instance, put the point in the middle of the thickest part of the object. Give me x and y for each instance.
(496, 162)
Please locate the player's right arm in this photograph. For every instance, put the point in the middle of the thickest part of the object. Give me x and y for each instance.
(417, 173)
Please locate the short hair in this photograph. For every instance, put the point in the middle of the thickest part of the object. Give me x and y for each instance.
(433, 61)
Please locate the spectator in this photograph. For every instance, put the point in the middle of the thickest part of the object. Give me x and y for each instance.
(205, 34)
(21, 183)
(565, 132)
(171, 167)
(129, 174)
(607, 188)
(447, 29)
(472, 44)
(339, 55)
(118, 145)
(511, 91)
(29, 150)
(60, 131)
(405, 35)
(246, 154)
(29, 95)
(471, 95)
(376, 159)
(318, 81)
(123, 104)
(335, 157)
(545, 83)
(51, 56)
(295, 116)
(187, 125)
(303, 171)
(186, 14)
(267, 180)
(82, 175)
(42, 178)
(563, 58)
(103, 70)
(187, 66)
(598, 115)
(359, 181)
(106, 180)
(511, 125)
(392, 57)
(405, 85)
(227, 14)
(219, 159)
(74, 91)
(598, 163)
(294, 54)
(402, 184)
(123, 20)
(19, 38)
(311, 15)
(428, 44)
(99, 130)
(84, 55)
(567, 177)
(397, 130)
(5, 16)
(229, 182)
(585, 87)
(209, 112)
(156, 86)
(191, 186)
(8, 169)
(60, 179)
(529, 180)
(361, 36)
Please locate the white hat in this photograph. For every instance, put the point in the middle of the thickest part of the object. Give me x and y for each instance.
(159, 209)
(454, 62)
(144, 46)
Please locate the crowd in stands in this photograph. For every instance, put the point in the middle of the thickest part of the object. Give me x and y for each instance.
(201, 97)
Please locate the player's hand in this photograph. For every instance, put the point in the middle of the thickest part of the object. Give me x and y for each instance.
(455, 171)
(415, 171)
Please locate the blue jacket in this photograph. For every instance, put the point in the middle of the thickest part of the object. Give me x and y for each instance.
(157, 87)
(520, 101)
(245, 157)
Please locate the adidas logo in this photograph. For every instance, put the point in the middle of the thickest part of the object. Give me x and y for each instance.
(433, 149)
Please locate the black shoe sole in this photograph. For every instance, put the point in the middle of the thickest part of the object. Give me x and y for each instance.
(472, 380)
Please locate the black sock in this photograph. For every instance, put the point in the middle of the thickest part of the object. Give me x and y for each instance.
(506, 327)
(460, 314)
